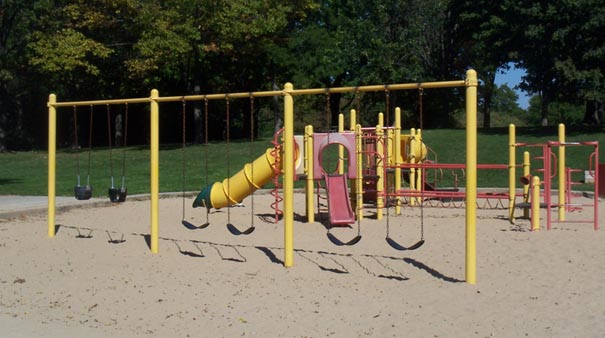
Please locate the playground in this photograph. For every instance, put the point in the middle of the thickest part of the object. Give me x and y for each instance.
(372, 242)
(209, 283)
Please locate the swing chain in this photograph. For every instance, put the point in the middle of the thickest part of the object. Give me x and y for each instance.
(206, 149)
(328, 110)
(228, 135)
(183, 115)
(89, 145)
(422, 186)
(387, 105)
(76, 143)
(125, 142)
(251, 148)
(357, 102)
(420, 108)
(109, 142)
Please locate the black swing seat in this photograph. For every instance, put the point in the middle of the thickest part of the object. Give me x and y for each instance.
(117, 195)
(83, 192)
(400, 247)
(192, 226)
(338, 242)
(235, 231)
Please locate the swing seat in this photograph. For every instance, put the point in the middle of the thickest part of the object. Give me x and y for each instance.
(117, 195)
(338, 242)
(400, 247)
(235, 231)
(83, 192)
(192, 226)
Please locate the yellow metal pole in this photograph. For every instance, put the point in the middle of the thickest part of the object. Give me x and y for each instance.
(359, 180)
(535, 203)
(288, 178)
(419, 172)
(397, 158)
(526, 190)
(52, 164)
(389, 134)
(412, 161)
(155, 170)
(379, 169)
(310, 183)
(561, 170)
(354, 183)
(341, 148)
(353, 120)
(511, 173)
(471, 181)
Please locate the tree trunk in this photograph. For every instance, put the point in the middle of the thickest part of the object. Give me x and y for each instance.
(593, 112)
(488, 93)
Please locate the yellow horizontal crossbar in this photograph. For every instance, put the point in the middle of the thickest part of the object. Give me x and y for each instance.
(242, 95)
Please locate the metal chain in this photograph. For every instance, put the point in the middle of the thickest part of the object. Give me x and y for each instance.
(206, 150)
(420, 112)
(76, 143)
(228, 135)
(387, 107)
(422, 176)
(328, 111)
(89, 145)
(125, 142)
(251, 148)
(358, 104)
(183, 115)
(109, 142)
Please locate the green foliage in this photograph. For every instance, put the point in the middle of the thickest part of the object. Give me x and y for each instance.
(560, 49)
(67, 52)
(505, 109)
(93, 49)
(558, 112)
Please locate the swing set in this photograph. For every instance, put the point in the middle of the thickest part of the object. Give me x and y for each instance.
(85, 192)
(257, 173)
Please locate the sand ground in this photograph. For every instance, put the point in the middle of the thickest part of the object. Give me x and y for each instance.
(97, 277)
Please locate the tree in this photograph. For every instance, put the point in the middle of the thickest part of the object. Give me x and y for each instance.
(561, 50)
(18, 83)
(483, 38)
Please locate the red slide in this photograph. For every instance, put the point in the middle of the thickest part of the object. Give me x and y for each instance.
(339, 205)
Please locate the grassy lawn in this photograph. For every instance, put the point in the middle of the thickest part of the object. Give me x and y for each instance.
(25, 173)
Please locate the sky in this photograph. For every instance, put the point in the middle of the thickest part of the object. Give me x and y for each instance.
(512, 77)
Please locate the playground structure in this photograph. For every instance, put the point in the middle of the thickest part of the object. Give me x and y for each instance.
(286, 160)
(377, 160)
(553, 165)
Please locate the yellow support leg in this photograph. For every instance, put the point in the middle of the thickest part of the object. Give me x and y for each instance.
(535, 203)
(155, 171)
(310, 182)
(52, 162)
(288, 176)
(511, 173)
(397, 158)
(471, 181)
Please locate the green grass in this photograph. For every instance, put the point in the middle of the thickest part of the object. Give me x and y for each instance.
(25, 173)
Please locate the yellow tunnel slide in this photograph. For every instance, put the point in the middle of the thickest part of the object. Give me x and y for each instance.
(234, 189)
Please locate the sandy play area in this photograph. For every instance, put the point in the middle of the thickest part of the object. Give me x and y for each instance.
(97, 277)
